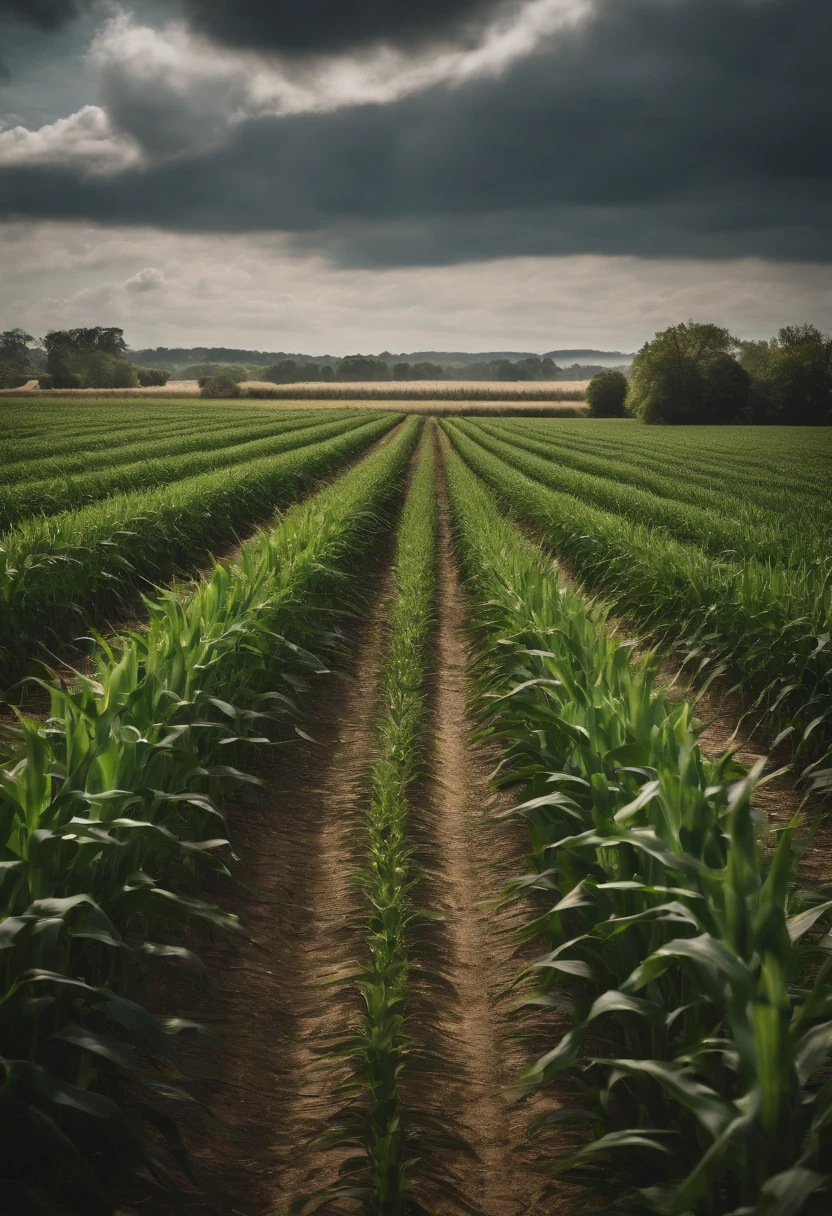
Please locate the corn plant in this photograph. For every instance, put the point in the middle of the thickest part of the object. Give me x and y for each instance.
(109, 817)
(56, 571)
(768, 623)
(61, 491)
(701, 1019)
(389, 1140)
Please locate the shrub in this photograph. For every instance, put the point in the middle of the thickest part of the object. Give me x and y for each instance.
(124, 375)
(606, 394)
(46, 381)
(152, 377)
(221, 385)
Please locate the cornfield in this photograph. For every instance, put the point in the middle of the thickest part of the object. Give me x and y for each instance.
(655, 967)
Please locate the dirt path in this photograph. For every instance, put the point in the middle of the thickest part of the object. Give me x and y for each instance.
(477, 856)
(270, 1013)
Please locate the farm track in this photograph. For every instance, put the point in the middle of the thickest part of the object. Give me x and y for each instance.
(477, 856)
(273, 1019)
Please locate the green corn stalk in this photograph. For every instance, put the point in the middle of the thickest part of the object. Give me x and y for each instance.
(56, 571)
(109, 816)
(769, 623)
(701, 1022)
(60, 491)
(383, 1170)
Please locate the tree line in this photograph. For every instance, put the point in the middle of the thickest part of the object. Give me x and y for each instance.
(700, 373)
(87, 357)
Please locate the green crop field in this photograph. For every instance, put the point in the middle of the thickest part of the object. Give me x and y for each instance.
(403, 814)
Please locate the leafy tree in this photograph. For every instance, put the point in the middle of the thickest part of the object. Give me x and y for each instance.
(427, 371)
(285, 371)
(150, 377)
(326, 373)
(76, 357)
(606, 394)
(792, 377)
(363, 367)
(14, 349)
(221, 385)
(401, 371)
(682, 377)
(11, 377)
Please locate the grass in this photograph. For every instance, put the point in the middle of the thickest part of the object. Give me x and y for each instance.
(109, 818)
(677, 953)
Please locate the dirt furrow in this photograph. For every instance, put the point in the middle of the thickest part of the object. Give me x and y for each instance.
(272, 1012)
(477, 855)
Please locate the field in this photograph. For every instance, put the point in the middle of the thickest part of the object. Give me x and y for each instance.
(409, 814)
(375, 391)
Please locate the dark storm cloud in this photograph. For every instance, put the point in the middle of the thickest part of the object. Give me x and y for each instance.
(696, 128)
(316, 26)
(47, 14)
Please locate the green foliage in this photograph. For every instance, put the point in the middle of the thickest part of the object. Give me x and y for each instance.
(700, 1021)
(109, 820)
(767, 622)
(687, 375)
(55, 571)
(221, 385)
(151, 377)
(381, 1048)
(11, 377)
(154, 463)
(606, 394)
(362, 367)
(14, 352)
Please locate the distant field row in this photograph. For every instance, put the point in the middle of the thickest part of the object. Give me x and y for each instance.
(439, 390)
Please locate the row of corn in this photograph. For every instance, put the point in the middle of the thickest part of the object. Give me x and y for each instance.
(58, 570)
(766, 622)
(109, 817)
(686, 981)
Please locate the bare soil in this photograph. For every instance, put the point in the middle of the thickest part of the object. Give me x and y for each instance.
(275, 1009)
(477, 855)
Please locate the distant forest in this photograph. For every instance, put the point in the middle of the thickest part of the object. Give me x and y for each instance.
(286, 366)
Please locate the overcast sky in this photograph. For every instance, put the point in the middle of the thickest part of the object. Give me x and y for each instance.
(335, 175)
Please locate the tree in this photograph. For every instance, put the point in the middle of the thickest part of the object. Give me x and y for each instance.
(606, 394)
(14, 348)
(792, 377)
(152, 376)
(76, 357)
(285, 371)
(327, 373)
(401, 371)
(362, 367)
(222, 385)
(11, 377)
(682, 377)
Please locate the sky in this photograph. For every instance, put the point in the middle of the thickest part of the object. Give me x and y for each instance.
(340, 175)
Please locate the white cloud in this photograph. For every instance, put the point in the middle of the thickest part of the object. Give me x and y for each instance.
(148, 279)
(86, 139)
(164, 91)
(252, 291)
